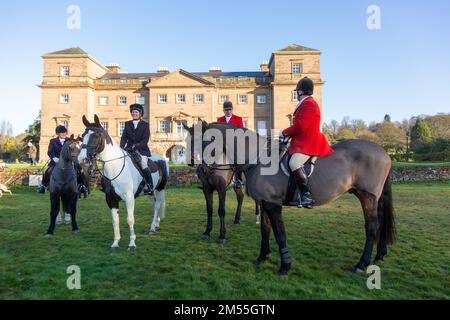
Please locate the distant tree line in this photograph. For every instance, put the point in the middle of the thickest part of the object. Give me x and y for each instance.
(423, 138)
(14, 148)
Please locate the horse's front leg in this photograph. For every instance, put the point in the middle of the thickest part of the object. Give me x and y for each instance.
(116, 228)
(222, 197)
(130, 219)
(209, 209)
(265, 237)
(54, 211)
(276, 220)
(240, 200)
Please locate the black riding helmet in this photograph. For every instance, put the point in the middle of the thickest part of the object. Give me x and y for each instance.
(137, 107)
(306, 86)
(60, 129)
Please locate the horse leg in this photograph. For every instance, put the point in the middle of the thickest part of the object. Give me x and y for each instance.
(257, 213)
(73, 212)
(209, 196)
(113, 205)
(276, 220)
(54, 211)
(156, 206)
(382, 239)
(240, 199)
(369, 205)
(265, 237)
(222, 197)
(130, 219)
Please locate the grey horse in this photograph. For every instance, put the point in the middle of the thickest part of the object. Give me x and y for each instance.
(63, 184)
(357, 166)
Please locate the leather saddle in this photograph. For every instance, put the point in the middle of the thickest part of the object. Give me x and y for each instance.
(292, 191)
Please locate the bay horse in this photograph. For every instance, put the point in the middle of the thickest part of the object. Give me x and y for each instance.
(359, 167)
(121, 179)
(63, 185)
(218, 177)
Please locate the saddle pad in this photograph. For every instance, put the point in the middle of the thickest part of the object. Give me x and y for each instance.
(309, 165)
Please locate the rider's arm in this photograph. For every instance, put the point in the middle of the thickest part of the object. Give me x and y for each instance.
(302, 121)
(124, 139)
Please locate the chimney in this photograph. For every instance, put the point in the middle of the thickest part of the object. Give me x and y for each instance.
(163, 70)
(264, 66)
(215, 69)
(113, 68)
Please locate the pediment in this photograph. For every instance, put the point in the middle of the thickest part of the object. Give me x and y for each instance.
(179, 78)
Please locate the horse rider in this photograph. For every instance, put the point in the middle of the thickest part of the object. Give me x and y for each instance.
(231, 118)
(54, 150)
(134, 140)
(307, 139)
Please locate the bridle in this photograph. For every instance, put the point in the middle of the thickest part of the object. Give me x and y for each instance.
(93, 158)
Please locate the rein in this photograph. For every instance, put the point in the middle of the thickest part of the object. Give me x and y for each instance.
(110, 160)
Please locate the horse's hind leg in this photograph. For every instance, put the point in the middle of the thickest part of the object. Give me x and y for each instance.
(54, 210)
(276, 220)
(240, 200)
(382, 239)
(369, 205)
(209, 209)
(265, 237)
(258, 211)
(222, 197)
(156, 207)
(73, 212)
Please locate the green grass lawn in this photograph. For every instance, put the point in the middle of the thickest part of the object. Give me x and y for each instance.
(401, 165)
(175, 264)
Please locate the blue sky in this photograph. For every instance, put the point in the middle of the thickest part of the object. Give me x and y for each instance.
(402, 69)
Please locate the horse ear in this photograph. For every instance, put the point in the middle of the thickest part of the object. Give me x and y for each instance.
(96, 120)
(185, 126)
(204, 125)
(71, 136)
(86, 121)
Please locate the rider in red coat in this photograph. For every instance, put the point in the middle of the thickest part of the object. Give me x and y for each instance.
(307, 139)
(229, 117)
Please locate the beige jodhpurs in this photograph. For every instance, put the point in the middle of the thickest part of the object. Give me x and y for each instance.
(298, 160)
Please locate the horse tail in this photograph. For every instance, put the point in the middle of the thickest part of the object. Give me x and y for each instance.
(386, 208)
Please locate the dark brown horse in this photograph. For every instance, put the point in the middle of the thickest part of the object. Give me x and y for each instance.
(218, 177)
(357, 166)
(63, 184)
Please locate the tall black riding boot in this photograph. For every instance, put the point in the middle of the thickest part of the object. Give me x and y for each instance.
(148, 190)
(304, 199)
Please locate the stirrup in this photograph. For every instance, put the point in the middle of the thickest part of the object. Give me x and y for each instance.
(148, 190)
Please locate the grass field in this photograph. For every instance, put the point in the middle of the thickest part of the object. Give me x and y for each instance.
(176, 264)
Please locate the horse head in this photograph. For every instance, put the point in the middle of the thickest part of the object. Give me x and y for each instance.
(194, 139)
(94, 140)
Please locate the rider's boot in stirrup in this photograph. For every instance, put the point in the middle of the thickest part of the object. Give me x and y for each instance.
(304, 199)
(148, 190)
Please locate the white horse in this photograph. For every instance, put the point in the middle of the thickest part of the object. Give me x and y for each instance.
(121, 180)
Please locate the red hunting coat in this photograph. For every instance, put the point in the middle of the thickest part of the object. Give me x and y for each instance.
(305, 131)
(236, 120)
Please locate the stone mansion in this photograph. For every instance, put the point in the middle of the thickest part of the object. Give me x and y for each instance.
(75, 84)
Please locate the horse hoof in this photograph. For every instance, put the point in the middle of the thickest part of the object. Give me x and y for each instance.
(378, 261)
(131, 248)
(236, 223)
(258, 262)
(204, 237)
(48, 235)
(157, 229)
(76, 231)
(114, 247)
(282, 273)
(358, 270)
(221, 241)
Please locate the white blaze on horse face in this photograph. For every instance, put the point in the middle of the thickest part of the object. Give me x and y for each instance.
(83, 153)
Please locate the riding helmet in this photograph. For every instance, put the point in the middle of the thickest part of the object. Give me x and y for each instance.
(228, 105)
(137, 107)
(306, 86)
(60, 129)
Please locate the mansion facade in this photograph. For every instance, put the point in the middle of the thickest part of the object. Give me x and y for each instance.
(76, 84)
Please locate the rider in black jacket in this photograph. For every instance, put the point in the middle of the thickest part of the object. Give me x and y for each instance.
(135, 140)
